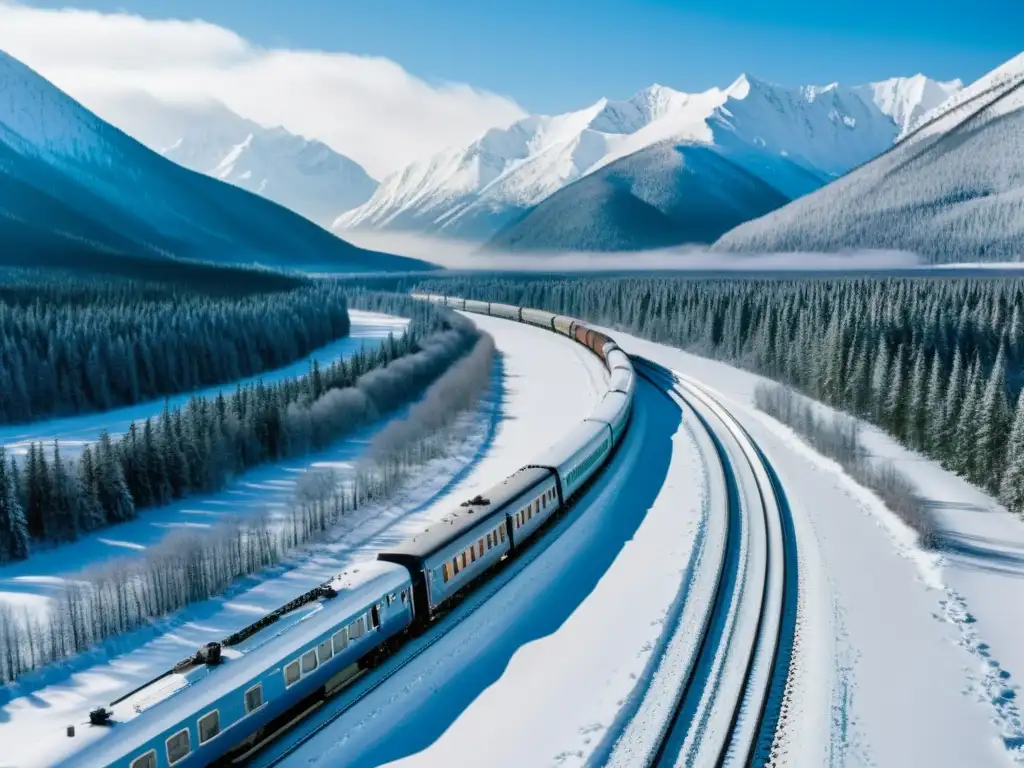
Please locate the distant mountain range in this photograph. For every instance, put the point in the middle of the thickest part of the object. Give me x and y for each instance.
(75, 189)
(951, 190)
(302, 174)
(792, 139)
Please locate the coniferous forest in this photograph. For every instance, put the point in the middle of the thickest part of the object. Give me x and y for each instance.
(201, 446)
(73, 345)
(937, 362)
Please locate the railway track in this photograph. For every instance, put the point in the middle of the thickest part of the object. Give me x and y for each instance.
(731, 655)
(726, 709)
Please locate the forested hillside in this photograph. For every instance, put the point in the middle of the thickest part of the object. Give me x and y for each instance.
(71, 345)
(938, 362)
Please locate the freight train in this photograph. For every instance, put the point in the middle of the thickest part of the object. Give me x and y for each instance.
(232, 696)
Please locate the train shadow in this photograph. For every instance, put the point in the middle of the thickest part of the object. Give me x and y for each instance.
(534, 604)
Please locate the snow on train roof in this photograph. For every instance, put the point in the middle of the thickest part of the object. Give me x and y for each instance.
(176, 697)
(463, 519)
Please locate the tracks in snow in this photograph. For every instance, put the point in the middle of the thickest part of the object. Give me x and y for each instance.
(727, 662)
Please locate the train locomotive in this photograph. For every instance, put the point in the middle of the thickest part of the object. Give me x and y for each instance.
(232, 696)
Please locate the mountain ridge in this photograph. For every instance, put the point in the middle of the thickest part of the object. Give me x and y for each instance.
(69, 180)
(952, 191)
(472, 191)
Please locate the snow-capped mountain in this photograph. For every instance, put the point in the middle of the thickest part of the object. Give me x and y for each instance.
(470, 192)
(662, 195)
(304, 175)
(74, 187)
(952, 190)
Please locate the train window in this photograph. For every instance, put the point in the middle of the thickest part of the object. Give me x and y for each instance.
(340, 640)
(444, 572)
(403, 595)
(209, 726)
(308, 662)
(463, 559)
(488, 539)
(357, 628)
(472, 554)
(291, 674)
(254, 698)
(324, 652)
(536, 506)
(501, 531)
(375, 617)
(147, 760)
(544, 500)
(481, 545)
(455, 564)
(178, 746)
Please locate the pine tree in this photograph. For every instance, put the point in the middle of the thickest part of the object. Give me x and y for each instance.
(115, 499)
(61, 522)
(955, 394)
(916, 416)
(964, 460)
(91, 515)
(993, 423)
(894, 409)
(13, 528)
(1011, 488)
(935, 411)
(880, 383)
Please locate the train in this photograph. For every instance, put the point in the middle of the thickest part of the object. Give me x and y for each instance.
(230, 697)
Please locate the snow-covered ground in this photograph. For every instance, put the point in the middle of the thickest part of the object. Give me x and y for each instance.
(893, 663)
(525, 412)
(367, 328)
(561, 647)
(916, 650)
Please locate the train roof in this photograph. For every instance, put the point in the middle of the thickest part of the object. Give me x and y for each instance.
(173, 698)
(462, 519)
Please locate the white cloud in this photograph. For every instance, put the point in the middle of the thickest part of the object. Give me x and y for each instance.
(365, 107)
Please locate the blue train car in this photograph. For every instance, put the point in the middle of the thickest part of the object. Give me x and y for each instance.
(577, 456)
(465, 543)
(201, 711)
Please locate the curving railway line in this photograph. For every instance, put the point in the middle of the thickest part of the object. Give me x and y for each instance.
(729, 660)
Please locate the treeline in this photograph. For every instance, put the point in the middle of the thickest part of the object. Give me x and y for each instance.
(189, 566)
(937, 362)
(200, 447)
(838, 437)
(70, 346)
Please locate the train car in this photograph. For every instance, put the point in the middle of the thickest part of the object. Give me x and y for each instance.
(597, 342)
(205, 709)
(454, 302)
(421, 296)
(563, 325)
(539, 318)
(505, 310)
(480, 307)
(466, 542)
(575, 457)
(613, 410)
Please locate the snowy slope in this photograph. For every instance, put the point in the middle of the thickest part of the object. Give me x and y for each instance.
(75, 190)
(471, 191)
(952, 190)
(304, 175)
(663, 195)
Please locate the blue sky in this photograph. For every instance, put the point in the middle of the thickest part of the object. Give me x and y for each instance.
(555, 55)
